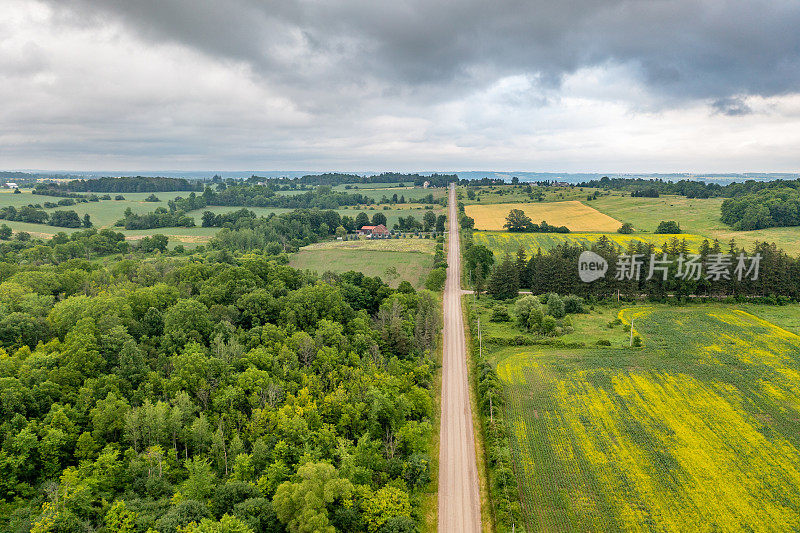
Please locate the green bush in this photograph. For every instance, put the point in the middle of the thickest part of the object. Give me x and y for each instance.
(436, 279)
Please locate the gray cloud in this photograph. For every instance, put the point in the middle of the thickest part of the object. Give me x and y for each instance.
(732, 107)
(685, 49)
(354, 84)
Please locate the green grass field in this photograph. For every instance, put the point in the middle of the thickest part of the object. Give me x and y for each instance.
(698, 216)
(698, 430)
(392, 260)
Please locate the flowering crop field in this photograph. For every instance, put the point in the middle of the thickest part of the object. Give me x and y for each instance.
(572, 214)
(698, 430)
(501, 242)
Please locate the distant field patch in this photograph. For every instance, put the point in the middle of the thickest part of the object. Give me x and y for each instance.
(373, 258)
(501, 242)
(425, 246)
(572, 214)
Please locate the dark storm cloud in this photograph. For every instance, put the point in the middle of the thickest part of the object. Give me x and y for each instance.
(712, 49)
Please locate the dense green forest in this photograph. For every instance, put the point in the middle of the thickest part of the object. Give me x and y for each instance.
(143, 389)
(763, 209)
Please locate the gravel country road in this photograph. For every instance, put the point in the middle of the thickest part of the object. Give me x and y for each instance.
(459, 501)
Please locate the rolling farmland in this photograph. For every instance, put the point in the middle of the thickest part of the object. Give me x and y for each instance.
(573, 214)
(696, 430)
(700, 216)
(501, 242)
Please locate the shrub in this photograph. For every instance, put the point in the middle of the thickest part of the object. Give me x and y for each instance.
(637, 341)
(668, 226)
(626, 228)
(574, 305)
(500, 314)
(436, 279)
(555, 306)
(603, 342)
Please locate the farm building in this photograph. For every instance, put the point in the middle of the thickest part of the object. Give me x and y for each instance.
(374, 231)
(12, 185)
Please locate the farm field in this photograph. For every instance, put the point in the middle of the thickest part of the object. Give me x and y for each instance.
(502, 242)
(393, 260)
(698, 430)
(698, 216)
(106, 212)
(573, 214)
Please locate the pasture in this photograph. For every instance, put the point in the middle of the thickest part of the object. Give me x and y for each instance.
(393, 260)
(698, 216)
(502, 242)
(573, 214)
(698, 430)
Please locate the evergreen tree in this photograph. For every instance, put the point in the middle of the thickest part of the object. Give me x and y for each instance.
(504, 281)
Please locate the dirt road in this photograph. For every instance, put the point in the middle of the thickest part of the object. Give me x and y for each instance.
(459, 501)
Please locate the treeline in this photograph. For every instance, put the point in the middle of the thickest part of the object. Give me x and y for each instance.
(766, 208)
(128, 184)
(32, 215)
(210, 220)
(333, 179)
(225, 389)
(160, 218)
(556, 271)
(688, 188)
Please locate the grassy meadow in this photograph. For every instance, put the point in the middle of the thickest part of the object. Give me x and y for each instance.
(697, 216)
(697, 430)
(573, 214)
(393, 260)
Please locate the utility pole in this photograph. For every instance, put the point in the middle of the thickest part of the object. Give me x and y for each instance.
(480, 339)
(631, 343)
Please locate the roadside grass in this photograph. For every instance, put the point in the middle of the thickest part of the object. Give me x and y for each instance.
(699, 427)
(573, 214)
(488, 524)
(502, 242)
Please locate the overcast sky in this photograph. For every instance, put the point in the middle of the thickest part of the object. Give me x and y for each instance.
(536, 85)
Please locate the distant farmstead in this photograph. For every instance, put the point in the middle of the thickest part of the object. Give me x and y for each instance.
(11, 185)
(374, 231)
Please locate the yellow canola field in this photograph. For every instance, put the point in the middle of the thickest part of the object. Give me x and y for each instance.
(703, 438)
(572, 214)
